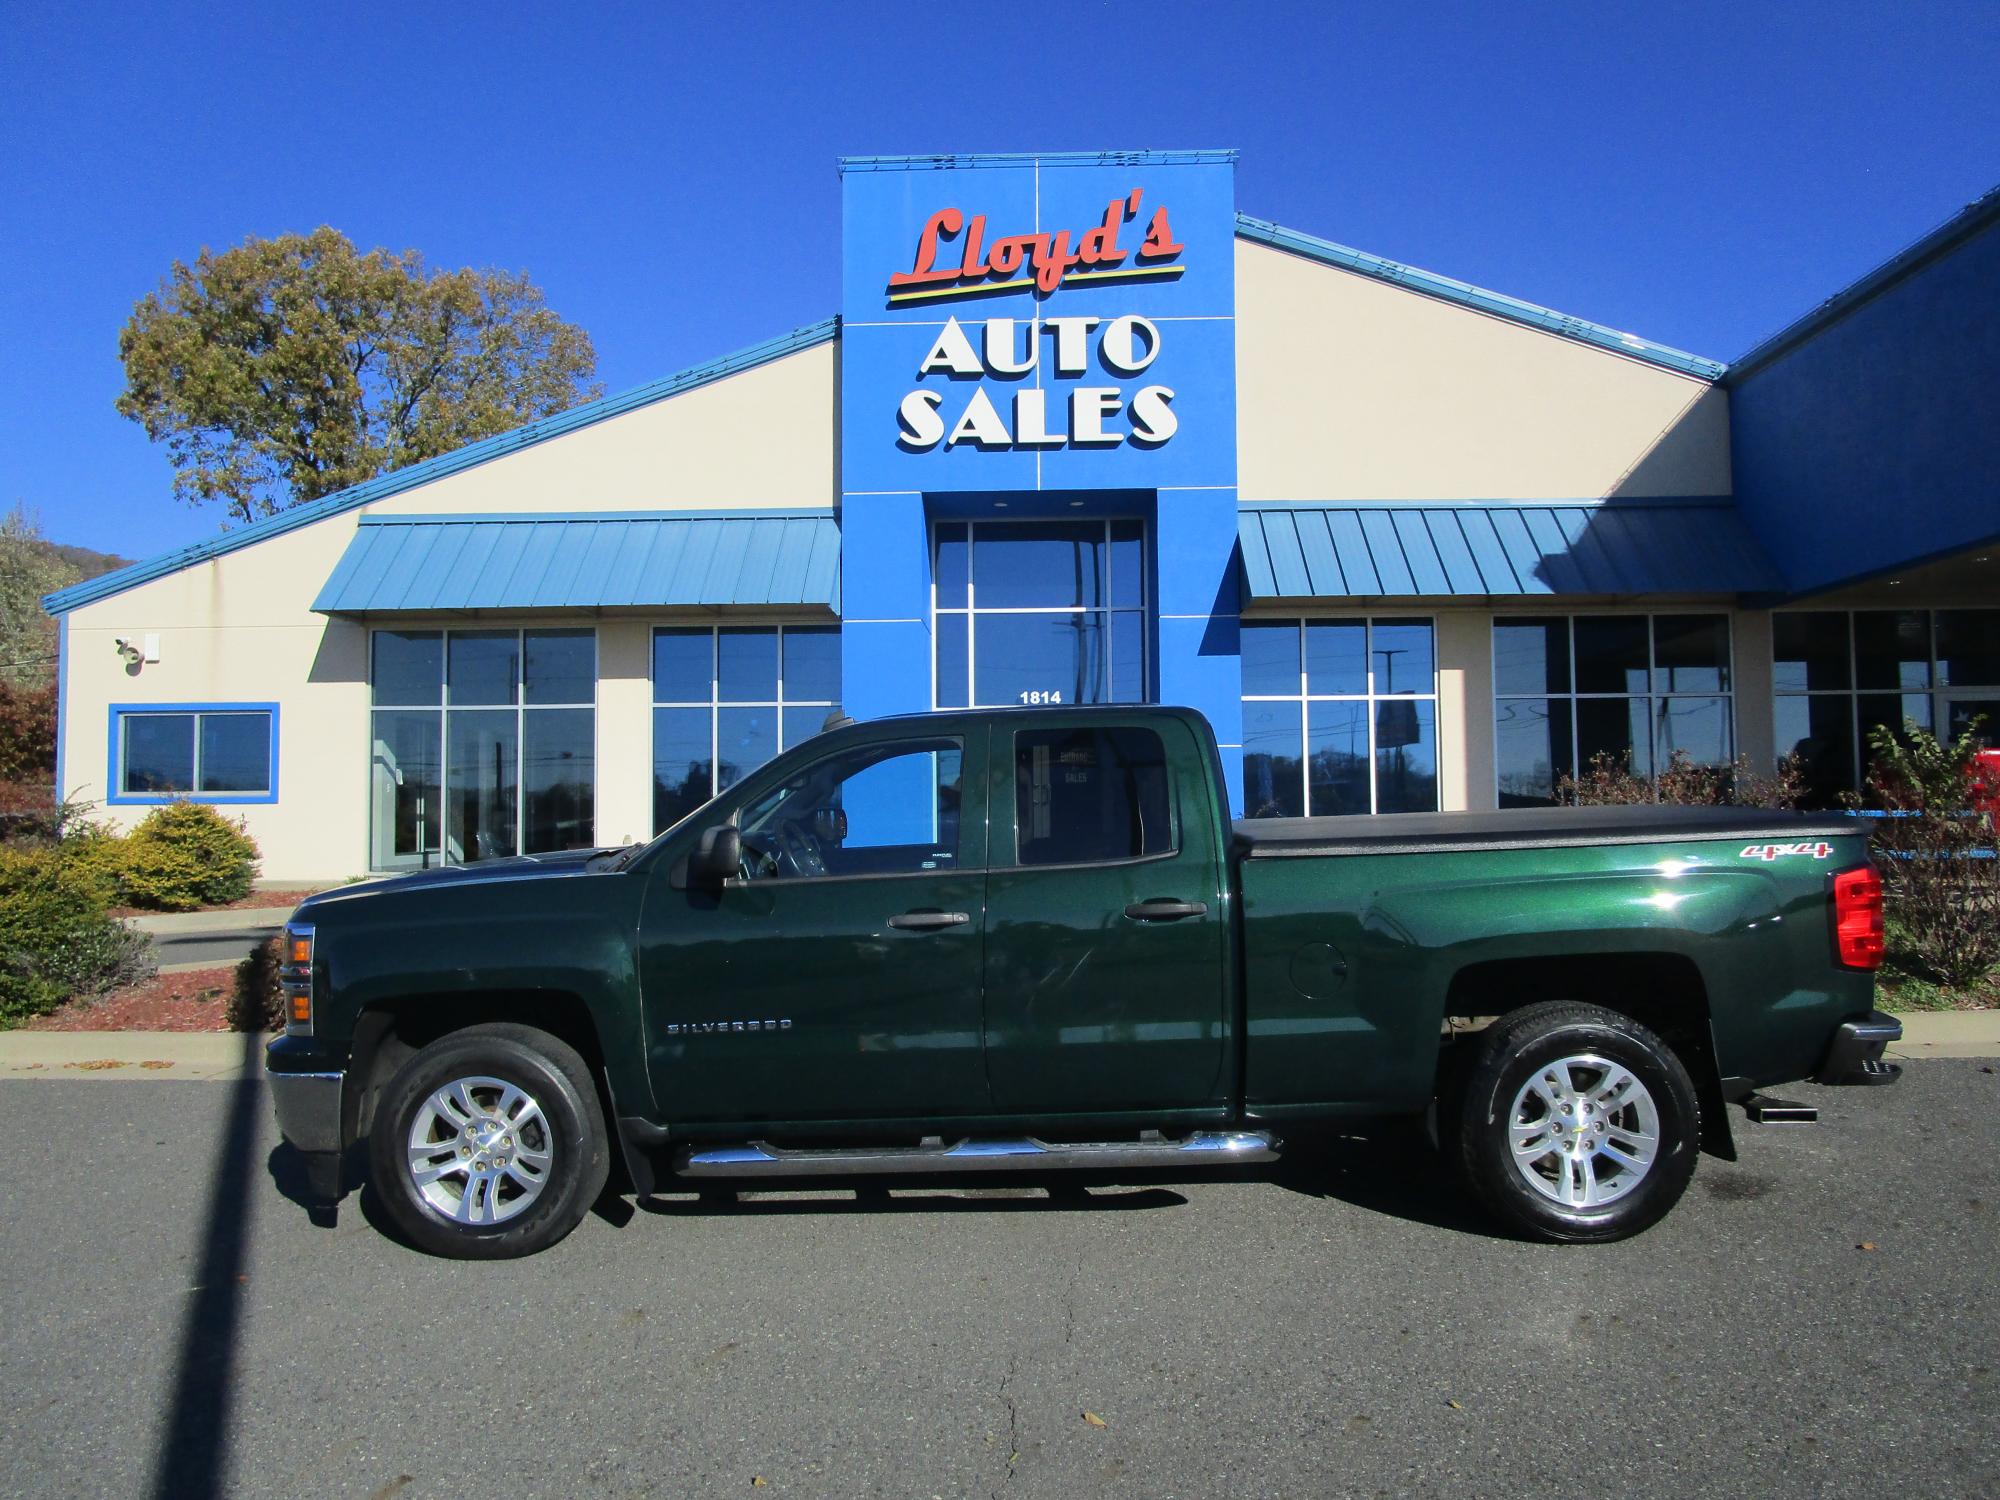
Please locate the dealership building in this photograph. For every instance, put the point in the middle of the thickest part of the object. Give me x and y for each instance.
(1083, 432)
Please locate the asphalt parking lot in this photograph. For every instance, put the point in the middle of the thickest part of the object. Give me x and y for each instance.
(1816, 1319)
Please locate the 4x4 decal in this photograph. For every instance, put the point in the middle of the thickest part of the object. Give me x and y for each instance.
(1819, 850)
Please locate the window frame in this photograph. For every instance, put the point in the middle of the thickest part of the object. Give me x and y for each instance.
(117, 796)
(972, 609)
(444, 708)
(1573, 696)
(1305, 699)
(1936, 692)
(715, 702)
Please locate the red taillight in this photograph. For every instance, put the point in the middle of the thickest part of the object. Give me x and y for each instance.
(1857, 918)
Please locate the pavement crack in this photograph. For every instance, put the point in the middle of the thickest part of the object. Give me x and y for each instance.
(1013, 1427)
(1069, 1301)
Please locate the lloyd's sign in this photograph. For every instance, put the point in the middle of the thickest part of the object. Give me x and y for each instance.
(1009, 348)
(1038, 323)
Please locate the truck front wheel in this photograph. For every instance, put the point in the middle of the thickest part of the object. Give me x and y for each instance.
(489, 1143)
(1576, 1123)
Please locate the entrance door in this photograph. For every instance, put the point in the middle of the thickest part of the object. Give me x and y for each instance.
(1105, 923)
(838, 979)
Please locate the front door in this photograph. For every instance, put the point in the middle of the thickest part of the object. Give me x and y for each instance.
(838, 978)
(1105, 921)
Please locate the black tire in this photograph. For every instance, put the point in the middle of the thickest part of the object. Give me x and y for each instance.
(570, 1128)
(1511, 1054)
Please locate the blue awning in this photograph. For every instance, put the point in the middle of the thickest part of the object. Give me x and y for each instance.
(585, 561)
(1415, 549)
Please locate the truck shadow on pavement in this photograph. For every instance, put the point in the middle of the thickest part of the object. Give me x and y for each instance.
(1390, 1169)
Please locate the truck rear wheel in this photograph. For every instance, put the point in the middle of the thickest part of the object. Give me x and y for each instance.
(1576, 1124)
(489, 1143)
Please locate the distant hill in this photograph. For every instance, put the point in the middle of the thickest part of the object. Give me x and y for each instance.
(85, 563)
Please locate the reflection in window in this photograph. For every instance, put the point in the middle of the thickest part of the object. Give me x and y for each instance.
(875, 810)
(193, 752)
(1838, 675)
(728, 698)
(1039, 612)
(484, 744)
(1339, 716)
(1086, 796)
(1634, 688)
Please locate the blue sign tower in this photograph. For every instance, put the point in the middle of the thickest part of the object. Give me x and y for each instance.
(1038, 390)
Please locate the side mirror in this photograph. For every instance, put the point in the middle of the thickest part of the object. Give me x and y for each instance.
(718, 857)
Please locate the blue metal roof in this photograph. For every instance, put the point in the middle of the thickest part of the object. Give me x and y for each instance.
(470, 456)
(1981, 214)
(1498, 305)
(1420, 549)
(586, 561)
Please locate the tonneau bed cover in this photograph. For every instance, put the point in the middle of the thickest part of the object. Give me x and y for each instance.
(1529, 828)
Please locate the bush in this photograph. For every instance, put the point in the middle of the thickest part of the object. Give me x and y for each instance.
(1935, 851)
(56, 942)
(186, 855)
(256, 1003)
(1609, 780)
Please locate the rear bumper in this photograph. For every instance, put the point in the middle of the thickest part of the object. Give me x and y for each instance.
(1855, 1055)
(308, 1106)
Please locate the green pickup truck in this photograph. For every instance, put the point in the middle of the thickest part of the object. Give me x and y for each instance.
(1030, 939)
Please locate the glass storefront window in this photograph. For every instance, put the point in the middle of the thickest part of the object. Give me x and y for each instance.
(1842, 674)
(728, 698)
(1645, 686)
(1339, 716)
(484, 744)
(1034, 612)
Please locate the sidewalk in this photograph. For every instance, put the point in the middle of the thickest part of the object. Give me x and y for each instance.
(208, 1056)
(180, 923)
(219, 1056)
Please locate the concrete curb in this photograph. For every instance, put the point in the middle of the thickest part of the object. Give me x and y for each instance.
(206, 1056)
(182, 923)
(224, 1055)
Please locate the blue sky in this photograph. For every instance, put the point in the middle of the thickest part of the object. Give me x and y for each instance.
(1697, 174)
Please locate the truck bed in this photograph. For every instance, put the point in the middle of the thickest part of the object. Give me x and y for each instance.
(1527, 828)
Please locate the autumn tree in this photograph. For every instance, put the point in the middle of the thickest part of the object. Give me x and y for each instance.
(285, 369)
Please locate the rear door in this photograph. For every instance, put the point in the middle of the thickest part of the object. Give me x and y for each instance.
(1105, 922)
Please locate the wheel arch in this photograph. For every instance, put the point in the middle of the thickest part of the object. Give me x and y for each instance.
(1663, 991)
(391, 1030)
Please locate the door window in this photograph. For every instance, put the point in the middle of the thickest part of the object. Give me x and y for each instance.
(1090, 796)
(874, 810)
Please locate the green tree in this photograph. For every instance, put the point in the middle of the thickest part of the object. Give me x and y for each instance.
(285, 369)
(29, 568)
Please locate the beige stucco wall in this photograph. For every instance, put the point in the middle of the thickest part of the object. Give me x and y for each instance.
(238, 628)
(1349, 388)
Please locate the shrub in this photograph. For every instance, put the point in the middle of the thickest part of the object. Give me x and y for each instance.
(56, 942)
(185, 855)
(1935, 851)
(1609, 780)
(256, 1003)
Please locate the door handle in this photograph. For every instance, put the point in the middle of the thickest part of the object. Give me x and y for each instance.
(929, 921)
(1165, 910)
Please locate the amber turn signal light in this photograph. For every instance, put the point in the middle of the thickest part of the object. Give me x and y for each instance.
(301, 949)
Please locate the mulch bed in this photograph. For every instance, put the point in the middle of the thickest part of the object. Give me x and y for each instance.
(255, 901)
(193, 1001)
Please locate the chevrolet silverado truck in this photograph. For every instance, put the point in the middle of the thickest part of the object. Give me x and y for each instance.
(1028, 939)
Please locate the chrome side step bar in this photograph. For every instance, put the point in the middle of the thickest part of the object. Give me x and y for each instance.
(1204, 1148)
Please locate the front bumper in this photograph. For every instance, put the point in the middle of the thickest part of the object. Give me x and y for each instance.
(308, 1106)
(1856, 1053)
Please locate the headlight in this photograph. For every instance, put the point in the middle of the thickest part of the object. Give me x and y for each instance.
(295, 979)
